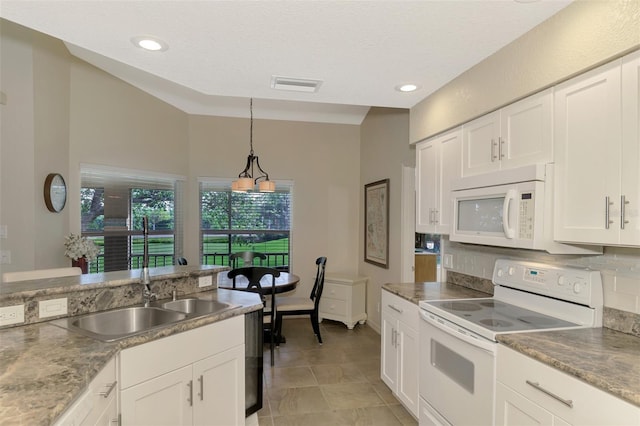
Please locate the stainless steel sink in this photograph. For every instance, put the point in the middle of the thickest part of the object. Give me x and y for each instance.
(120, 323)
(197, 307)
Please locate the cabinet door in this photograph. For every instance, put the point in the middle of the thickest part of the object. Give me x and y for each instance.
(216, 404)
(480, 145)
(526, 131)
(449, 168)
(110, 415)
(165, 400)
(630, 234)
(514, 409)
(408, 377)
(587, 137)
(389, 356)
(426, 181)
(426, 267)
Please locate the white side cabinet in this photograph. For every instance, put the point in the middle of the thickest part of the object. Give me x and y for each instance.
(400, 349)
(597, 151)
(516, 135)
(438, 162)
(343, 299)
(199, 379)
(529, 392)
(98, 405)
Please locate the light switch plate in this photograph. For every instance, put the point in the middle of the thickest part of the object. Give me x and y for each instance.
(205, 281)
(448, 261)
(52, 307)
(12, 315)
(5, 257)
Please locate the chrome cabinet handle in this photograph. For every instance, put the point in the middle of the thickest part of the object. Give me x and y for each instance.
(398, 310)
(623, 205)
(190, 399)
(110, 388)
(393, 337)
(201, 394)
(493, 150)
(607, 204)
(436, 217)
(567, 402)
(501, 150)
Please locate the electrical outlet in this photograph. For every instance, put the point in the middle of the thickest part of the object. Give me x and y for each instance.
(52, 307)
(448, 261)
(11, 315)
(205, 281)
(3, 231)
(5, 257)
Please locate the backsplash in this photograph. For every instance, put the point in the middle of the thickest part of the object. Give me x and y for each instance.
(620, 269)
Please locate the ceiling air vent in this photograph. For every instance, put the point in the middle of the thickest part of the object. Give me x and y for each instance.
(295, 84)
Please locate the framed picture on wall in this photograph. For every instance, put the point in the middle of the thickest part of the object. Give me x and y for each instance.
(376, 223)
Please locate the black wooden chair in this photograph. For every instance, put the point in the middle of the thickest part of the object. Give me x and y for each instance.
(181, 261)
(247, 258)
(303, 306)
(254, 274)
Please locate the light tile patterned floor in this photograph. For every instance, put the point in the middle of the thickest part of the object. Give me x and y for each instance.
(337, 383)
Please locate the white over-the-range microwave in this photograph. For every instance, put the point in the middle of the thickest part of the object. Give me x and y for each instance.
(509, 208)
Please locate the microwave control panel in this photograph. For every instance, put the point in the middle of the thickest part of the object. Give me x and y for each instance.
(526, 215)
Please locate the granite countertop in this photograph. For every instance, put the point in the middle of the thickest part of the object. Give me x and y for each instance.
(604, 358)
(44, 368)
(415, 292)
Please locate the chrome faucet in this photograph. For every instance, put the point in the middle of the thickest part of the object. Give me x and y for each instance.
(147, 294)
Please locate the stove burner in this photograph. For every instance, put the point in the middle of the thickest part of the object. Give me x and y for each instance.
(461, 306)
(537, 321)
(495, 323)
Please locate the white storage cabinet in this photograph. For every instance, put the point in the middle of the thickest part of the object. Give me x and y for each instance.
(597, 151)
(343, 299)
(400, 349)
(98, 405)
(517, 135)
(438, 162)
(195, 377)
(529, 392)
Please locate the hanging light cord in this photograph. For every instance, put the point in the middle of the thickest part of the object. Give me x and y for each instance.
(251, 127)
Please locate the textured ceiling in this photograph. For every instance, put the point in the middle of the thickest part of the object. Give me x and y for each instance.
(223, 52)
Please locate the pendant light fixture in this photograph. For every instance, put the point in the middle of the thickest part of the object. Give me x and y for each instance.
(246, 180)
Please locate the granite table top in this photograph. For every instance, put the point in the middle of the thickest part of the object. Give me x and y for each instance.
(606, 359)
(44, 368)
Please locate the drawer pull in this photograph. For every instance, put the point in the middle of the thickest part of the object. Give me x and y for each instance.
(190, 397)
(398, 310)
(106, 393)
(567, 402)
(201, 380)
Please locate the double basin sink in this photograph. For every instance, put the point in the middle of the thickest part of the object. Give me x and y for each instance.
(109, 326)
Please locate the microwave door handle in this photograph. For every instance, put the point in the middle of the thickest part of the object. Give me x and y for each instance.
(509, 231)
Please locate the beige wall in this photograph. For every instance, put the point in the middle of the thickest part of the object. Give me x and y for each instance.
(383, 151)
(583, 35)
(62, 112)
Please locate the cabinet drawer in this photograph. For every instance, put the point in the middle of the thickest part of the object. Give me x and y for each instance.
(402, 309)
(333, 306)
(335, 291)
(590, 406)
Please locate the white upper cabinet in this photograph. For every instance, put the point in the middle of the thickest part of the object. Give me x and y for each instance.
(438, 162)
(597, 156)
(517, 135)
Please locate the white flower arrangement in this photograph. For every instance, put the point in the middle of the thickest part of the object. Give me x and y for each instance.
(77, 246)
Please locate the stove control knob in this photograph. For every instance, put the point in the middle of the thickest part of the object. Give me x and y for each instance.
(561, 280)
(512, 270)
(576, 287)
(500, 272)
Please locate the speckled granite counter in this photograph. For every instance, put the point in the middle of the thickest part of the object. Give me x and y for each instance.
(604, 358)
(415, 292)
(44, 368)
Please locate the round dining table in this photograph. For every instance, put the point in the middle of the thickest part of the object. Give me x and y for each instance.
(284, 283)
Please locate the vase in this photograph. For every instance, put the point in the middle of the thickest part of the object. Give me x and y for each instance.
(81, 263)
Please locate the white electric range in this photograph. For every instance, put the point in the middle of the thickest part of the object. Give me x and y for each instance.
(458, 337)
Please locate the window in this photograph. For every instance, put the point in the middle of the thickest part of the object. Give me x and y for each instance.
(113, 203)
(251, 221)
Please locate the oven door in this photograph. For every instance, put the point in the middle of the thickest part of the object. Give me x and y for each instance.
(457, 372)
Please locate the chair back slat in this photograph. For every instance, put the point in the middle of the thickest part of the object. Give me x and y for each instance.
(318, 285)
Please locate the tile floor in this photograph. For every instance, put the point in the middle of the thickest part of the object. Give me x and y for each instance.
(337, 383)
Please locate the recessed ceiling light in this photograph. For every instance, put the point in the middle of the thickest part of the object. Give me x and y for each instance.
(149, 43)
(407, 88)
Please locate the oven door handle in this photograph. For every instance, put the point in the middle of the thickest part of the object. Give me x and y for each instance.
(481, 344)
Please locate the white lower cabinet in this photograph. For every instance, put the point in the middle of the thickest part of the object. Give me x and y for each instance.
(400, 349)
(195, 377)
(531, 393)
(98, 405)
